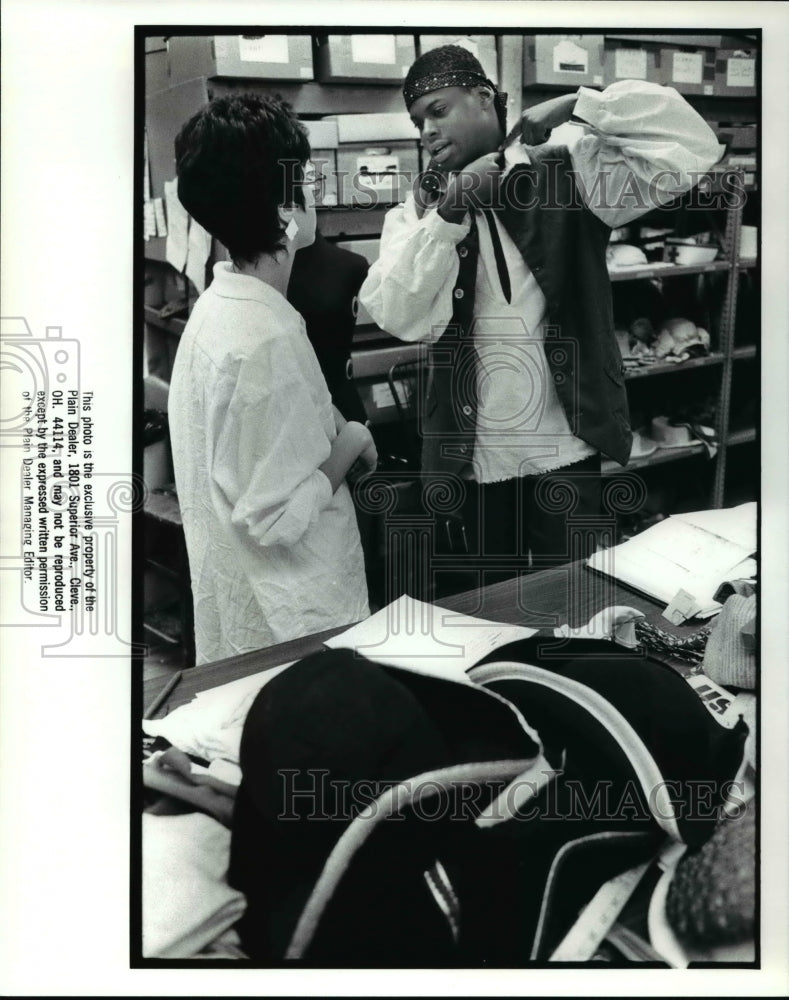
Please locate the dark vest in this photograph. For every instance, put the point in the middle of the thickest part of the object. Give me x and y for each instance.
(564, 246)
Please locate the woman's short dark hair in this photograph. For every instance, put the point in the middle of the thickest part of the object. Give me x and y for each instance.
(238, 159)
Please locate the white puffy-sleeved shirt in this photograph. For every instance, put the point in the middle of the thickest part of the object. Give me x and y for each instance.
(639, 145)
(273, 554)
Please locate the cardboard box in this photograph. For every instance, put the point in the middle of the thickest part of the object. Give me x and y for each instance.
(482, 46)
(157, 71)
(370, 250)
(563, 60)
(373, 58)
(625, 60)
(374, 127)
(735, 73)
(268, 57)
(689, 71)
(323, 133)
(376, 175)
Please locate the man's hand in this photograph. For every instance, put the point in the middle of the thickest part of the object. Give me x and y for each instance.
(537, 122)
(476, 185)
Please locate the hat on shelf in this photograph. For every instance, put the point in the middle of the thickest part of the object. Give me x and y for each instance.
(643, 445)
(669, 433)
(624, 255)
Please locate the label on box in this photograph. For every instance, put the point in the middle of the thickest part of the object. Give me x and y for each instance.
(570, 58)
(709, 89)
(740, 72)
(630, 64)
(380, 49)
(688, 67)
(263, 48)
(377, 172)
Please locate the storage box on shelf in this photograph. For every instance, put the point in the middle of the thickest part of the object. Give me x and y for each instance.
(370, 58)
(563, 60)
(624, 59)
(269, 57)
(688, 70)
(735, 72)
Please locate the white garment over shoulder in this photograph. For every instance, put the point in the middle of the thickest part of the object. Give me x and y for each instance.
(273, 554)
(640, 144)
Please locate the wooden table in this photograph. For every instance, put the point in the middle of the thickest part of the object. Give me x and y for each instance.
(569, 594)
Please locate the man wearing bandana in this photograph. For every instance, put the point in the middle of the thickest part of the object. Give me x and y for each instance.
(497, 261)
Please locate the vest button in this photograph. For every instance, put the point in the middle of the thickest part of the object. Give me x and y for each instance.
(467, 410)
(349, 369)
(462, 251)
(355, 306)
(536, 269)
(458, 293)
(464, 448)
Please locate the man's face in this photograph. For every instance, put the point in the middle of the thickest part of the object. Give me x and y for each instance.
(456, 125)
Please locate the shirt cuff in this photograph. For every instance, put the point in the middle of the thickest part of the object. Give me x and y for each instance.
(447, 232)
(587, 104)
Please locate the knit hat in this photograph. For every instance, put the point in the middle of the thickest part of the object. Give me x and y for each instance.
(711, 901)
(730, 655)
(449, 66)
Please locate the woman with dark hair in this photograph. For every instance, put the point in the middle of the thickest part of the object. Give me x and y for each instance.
(260, 454)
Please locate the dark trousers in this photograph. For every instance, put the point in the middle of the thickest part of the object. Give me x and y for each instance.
(519, 526)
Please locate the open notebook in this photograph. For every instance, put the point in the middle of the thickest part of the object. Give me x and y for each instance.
(692, 553)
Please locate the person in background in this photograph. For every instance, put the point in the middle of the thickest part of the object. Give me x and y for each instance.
(260, 454)
(323, 288)
(498, 260)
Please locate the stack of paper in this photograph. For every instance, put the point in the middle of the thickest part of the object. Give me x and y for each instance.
(689, 554)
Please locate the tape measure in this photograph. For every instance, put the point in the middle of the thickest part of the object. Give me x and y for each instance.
(598, 917)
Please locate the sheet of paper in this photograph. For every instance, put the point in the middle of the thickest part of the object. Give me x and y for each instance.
(197, 253)
(177, 227)
(736, 524)
(740, 72)
(568, 57)
(687, 67)
(675, 555)
(416, 636)
(630, 64)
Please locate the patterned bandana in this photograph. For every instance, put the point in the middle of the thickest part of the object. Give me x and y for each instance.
(447, 66)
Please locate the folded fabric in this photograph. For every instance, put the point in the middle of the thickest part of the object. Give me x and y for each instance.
(186, 901)
(730, 656)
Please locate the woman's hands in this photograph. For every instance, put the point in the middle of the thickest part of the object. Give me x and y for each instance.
(353, 448)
